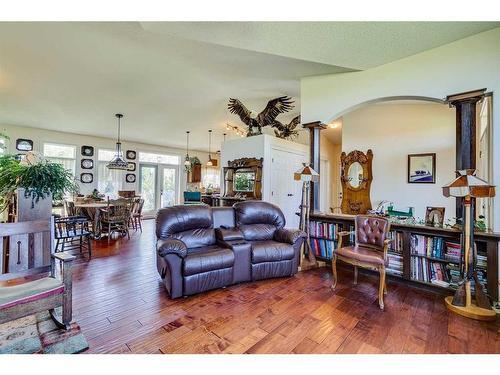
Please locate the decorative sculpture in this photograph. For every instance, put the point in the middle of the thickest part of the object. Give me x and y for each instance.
(265, 118)
(287, 131)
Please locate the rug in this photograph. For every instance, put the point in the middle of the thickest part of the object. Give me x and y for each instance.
(39, 334)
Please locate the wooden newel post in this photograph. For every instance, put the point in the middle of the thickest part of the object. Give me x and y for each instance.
(314, 149)
(465, 104)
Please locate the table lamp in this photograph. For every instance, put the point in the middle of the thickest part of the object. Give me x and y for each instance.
(469, 187)
(307, 175)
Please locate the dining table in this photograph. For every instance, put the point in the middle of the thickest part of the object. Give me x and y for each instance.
(93, 211)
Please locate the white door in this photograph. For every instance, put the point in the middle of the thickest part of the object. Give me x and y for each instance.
(285, 191)
(158, 185)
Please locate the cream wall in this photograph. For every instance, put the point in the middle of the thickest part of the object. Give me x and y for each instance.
(467, 64)
(41, 136)
(393, 131)
(331, 152)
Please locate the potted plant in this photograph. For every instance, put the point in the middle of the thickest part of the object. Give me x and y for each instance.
(34, 182)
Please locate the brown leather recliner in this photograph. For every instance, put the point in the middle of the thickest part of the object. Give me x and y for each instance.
(201, 248)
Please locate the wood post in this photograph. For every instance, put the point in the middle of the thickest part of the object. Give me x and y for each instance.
(314, 147)
(465, 104)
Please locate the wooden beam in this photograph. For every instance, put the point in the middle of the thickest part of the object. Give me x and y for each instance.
(314, 150)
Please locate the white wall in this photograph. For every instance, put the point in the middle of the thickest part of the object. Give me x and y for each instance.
(467, 64)
(393, 131)
(41, 136)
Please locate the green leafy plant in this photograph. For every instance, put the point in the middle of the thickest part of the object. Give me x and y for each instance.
(38, 180)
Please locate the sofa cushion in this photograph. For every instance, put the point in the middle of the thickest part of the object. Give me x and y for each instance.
(170, 220)
(271, 251)
(30, 291)
(196, 237)
(257, 232)
(362, 254)
(204, 259)
(258, 212)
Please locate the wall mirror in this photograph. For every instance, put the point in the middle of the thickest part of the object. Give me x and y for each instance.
(243, 177)
(355, 174)
(356, 178)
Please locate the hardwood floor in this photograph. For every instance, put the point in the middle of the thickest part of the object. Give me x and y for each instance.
(122, 307)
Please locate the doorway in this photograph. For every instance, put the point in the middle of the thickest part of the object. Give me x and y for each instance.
(158, 186)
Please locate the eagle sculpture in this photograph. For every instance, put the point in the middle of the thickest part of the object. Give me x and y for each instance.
(266, 118)
(287, 131)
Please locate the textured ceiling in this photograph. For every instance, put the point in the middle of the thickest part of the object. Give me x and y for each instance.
(170, 77)
(356, 45)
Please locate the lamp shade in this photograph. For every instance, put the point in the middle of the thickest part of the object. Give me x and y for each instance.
(306, 173)
(467, 184)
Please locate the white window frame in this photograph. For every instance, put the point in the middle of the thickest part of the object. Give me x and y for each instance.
(52, 158)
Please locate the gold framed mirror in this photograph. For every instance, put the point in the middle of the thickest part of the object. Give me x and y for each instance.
(356, 177)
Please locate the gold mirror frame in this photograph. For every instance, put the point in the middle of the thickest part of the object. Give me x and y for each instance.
(356, 200)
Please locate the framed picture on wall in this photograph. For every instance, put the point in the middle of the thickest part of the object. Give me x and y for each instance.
(131, 166)
(87, 151)
(87, 163)
(422, 168)
(130, 178)
(131, 154)
(24, 144)
(86, 178)
(434, 216)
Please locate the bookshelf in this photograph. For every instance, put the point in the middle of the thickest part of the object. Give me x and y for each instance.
(418, 254)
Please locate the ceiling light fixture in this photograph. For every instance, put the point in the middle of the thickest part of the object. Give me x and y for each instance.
(187, 160)
(118, 162)
(237, 130)
(209, 162)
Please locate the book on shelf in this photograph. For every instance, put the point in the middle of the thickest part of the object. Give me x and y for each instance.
(324, 230)
(435, 247)
(396, 244)
(322, 248)
(394, 264)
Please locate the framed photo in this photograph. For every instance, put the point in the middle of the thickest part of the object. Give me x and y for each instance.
(87, 164)
(434, 216)
(422, 168)
(131, 166)
(130, 154)
(86, 178)
(24, 144)
(87, 151)
(130, 178)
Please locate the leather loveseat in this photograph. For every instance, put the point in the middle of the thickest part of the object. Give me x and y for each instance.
(201, 248)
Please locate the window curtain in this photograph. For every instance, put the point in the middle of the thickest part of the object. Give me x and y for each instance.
(109, 180)
(210, 177)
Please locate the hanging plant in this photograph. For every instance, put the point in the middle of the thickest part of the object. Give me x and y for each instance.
(38, 177)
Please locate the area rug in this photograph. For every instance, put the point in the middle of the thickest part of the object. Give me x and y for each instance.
(39, 334)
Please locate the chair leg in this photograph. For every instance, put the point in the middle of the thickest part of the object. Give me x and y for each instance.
(385, 287)
(109, 232)
(140, 223)
(334, 271)
(355, 275)
(381, 288)
(89, 244)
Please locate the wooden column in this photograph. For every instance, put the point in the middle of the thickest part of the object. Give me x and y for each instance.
(465, 104)
(314, 149)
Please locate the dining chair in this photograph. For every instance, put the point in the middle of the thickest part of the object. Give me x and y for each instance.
(69, 207)
(136, 216)
(116, 216)
(73, 232)
(369, 250)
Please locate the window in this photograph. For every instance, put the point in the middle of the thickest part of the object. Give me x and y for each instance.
(61, 154)
(210, 177)
(244, 181)
(3, 145)
(147, 157)
(109, 181)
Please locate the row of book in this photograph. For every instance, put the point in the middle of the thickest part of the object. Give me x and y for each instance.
(325, 230)
(395, 264)
(322, 248)
(435, 247)
(396, 244)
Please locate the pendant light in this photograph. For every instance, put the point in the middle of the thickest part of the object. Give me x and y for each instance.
(187, 160)
(118, 162)
(209, 162)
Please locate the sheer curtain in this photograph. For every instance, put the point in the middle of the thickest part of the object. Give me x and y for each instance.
(109, 180)
(210, 177)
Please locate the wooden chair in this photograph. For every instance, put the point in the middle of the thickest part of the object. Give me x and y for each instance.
(116, 216)
(73, 232)
(136, 216)
(69, 208)
(52, 290)
(368, 251)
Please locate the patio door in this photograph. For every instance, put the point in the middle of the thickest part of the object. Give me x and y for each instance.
(158, 185)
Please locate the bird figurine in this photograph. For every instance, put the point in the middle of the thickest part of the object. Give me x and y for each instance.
(289, 131)
(265, 118)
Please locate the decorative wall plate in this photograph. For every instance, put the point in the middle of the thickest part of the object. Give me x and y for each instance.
(86, 178)
(130, 178)
(87, 164)
(131, 154)
(87, 151)
(131, 166)
(24, 144)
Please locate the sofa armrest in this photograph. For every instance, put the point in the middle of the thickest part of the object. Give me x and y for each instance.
(288, 235)
(229, 234)
(171, 246)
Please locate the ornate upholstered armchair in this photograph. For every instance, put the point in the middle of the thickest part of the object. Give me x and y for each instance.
(368, 251)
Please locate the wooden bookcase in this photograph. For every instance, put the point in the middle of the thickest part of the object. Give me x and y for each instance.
(487, 245)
